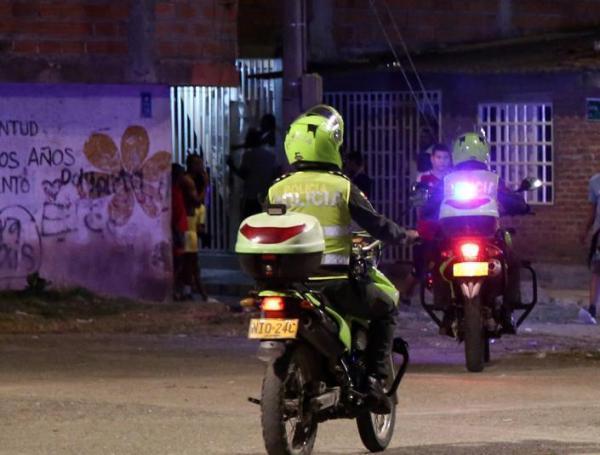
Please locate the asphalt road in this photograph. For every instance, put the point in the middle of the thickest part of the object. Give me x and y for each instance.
(134, 394)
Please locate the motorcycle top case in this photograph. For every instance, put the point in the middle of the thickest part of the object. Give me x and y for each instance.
(470, 193)
(280, 247)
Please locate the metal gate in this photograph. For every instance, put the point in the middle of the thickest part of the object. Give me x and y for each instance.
(390, 129)
(209, 120)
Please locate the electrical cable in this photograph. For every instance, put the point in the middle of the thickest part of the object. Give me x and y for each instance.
(404, 74)
(410, 60)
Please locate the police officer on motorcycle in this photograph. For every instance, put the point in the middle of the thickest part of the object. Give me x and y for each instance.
(470, 152)
(318, 187)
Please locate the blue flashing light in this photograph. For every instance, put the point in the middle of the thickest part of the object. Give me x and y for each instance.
(465, 191)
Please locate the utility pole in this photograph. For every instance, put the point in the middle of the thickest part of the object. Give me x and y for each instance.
(294, 57)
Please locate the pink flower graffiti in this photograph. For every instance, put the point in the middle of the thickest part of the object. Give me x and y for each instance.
(127, 175)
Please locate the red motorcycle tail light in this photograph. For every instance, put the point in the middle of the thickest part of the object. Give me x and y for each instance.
(273, 303)
(306, 305)
(270, 234)
(469, 251)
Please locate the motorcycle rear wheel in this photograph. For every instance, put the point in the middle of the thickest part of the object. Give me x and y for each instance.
(475, 338)
(288, 426)
(376, 430)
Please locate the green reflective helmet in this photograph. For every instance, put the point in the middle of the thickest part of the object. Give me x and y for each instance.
(316, 136)
(470, 147)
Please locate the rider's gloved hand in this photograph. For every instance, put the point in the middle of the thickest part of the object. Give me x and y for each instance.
(412, 236)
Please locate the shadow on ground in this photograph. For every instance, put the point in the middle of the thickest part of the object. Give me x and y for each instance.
(529, 447)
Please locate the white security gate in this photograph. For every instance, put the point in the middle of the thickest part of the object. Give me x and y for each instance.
(521, 143)
(389, 130)
(210, 120)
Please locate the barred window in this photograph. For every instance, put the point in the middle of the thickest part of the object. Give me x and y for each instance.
(520, 138)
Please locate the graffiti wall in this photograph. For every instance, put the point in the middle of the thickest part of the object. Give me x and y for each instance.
(84, 187)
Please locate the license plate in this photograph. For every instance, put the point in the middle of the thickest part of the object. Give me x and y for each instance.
(270, 329)
(468, 269)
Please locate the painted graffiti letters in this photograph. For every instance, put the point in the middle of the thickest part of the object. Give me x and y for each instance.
(58, 219)
(18, 128)
(93, 185)
(14, 184)
(85, 189)
(94, 220)
(51, 156)
(8, 160)
(20, 243)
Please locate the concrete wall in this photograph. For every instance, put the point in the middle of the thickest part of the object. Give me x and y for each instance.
(101, 41)
(84, 187)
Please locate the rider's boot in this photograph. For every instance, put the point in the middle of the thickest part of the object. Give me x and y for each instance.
(447, 320)
(381, 335)
(377, 401)
(512, 294)
(507, 321)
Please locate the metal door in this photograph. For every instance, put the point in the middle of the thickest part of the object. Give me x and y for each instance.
(209, 120)
(389, 129)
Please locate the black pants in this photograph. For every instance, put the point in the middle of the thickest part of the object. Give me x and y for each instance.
(423, 253)
(364, 299)
(512, 293)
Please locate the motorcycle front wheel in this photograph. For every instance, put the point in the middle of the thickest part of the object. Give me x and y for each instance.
(376, 430)
(474, 334)
(287, 422)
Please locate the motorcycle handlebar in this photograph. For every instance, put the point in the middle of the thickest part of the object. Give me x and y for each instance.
(369, 247)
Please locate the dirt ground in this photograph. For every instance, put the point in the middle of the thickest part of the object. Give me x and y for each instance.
(174, 379)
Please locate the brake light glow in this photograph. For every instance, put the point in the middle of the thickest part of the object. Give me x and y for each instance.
(469, 251)
(272, 303)
(270, 234)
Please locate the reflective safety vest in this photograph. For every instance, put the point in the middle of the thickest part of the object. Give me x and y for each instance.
(325, 196)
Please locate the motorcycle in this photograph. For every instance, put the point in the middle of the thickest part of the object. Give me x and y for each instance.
(471, 275)
(315, 356)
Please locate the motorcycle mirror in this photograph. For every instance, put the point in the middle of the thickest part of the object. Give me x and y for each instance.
(418, 186)
(529, 183)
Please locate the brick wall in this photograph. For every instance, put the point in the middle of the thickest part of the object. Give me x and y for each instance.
(259, 28)
(423, 23)
(432, 23)
(175, 42)
(552, 234)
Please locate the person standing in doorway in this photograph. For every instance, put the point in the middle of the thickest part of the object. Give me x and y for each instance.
(355, 169)
(178, 228)
(258, 169)
(268, 128)
(194, 190)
